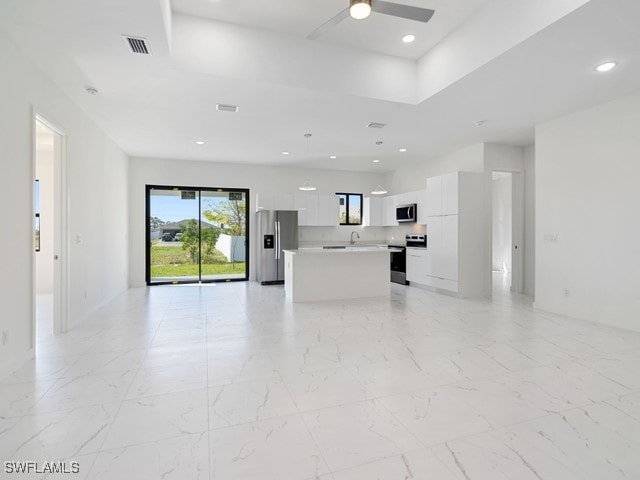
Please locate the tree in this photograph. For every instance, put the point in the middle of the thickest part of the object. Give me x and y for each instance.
(192, 236)
(155, 222)
(230, 213)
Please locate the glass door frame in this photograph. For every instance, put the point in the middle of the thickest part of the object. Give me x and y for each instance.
(199, 190)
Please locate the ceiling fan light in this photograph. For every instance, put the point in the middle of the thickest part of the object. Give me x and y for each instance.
(379, 190)
(360, 9)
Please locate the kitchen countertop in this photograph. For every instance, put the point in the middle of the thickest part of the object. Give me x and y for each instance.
(341, 249)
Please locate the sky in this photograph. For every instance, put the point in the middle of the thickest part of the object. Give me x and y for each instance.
(170, 207)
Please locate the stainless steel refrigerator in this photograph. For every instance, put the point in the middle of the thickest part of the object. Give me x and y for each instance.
(277, 231)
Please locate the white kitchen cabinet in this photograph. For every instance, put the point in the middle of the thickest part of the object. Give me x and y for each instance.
(450, 193)
(313, 209)
(372, 215)
(434, 246)
(416, 265)
(328, 210)
(448, 265)
(265, 201)
(421, 201)
(274, 201)
(283, 201)
(300, 204)
(307, 206)
(313, 203)
(455, 234)
(442, 194)
(434, 196)
(389, 211)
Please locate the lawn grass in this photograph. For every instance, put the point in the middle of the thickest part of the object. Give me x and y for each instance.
(172, 261)
(175, 255)
(191, 270)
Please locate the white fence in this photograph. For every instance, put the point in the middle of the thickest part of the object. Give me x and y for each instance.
(231, 247)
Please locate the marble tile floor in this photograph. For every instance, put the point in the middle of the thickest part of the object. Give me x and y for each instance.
(230, 382)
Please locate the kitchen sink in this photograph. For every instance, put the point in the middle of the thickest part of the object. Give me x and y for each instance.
(332, 247)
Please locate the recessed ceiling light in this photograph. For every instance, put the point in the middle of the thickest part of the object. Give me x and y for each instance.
(92, 91)
(199, 142)
(478, 123)
(402, 150)
(605, 67)
(285, 153)
(376, 125)
(333, 157)
(409, 38)
(376, 161)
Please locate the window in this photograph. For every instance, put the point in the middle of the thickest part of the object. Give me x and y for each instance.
(350, 208)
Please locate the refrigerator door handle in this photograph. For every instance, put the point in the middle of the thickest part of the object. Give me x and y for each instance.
(277, 240)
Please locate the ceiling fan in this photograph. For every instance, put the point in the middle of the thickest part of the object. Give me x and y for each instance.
(361, 9)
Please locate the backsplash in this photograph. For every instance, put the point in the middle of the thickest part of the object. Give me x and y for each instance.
(342, 234)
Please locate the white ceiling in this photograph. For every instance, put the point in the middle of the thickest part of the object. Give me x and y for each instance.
(156, 107)
(378, 33)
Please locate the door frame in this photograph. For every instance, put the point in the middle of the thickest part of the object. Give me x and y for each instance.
(517, 226)
(61, 247)
(147, 234)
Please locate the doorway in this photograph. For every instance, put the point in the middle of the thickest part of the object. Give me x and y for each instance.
(49, 196)
(196, 235)
(506, 250)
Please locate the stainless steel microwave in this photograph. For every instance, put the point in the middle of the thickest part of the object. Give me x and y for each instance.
(406, 213)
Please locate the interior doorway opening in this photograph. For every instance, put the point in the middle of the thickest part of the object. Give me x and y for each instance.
(506, 231)
(502, 208)
(49, 234)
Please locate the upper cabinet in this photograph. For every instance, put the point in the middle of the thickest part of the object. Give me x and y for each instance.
(328, 210)
(381, 211)
(434, 196)
(265, 201)
(450, 192)
(307, 206)
(283, 201)
(372, 214)
(389, 211)
(442, 195)
(422, 203)
(313, 209)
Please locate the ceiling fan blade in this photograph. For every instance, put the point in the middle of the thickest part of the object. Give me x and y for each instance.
(328, 25)
(403, 11)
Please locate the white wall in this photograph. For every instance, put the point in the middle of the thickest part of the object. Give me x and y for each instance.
(97, 178)
(44, 258)
(530, 220)
(587, 173)
(145, 171)
(409, 178)
(501, 224)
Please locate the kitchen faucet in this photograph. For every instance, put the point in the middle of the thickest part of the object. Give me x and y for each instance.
(352, 241)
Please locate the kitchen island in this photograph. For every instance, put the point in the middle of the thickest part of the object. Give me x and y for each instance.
(336, 273)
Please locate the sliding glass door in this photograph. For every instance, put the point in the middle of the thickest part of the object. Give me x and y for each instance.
(196, 235)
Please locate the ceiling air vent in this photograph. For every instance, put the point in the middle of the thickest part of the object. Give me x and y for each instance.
(376, 125)
(137, 44)
(226, 108)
